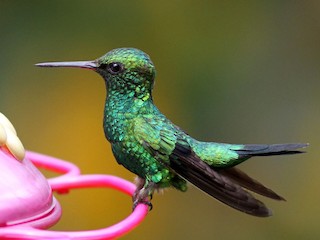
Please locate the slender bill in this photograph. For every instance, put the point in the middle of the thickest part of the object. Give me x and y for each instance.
(77, 64)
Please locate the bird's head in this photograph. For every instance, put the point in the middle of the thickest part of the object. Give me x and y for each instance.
(125, 70)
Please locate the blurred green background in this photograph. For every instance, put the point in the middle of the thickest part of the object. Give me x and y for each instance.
(236, 71)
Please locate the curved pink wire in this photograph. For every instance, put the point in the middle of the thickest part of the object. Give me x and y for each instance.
(53, 164)
(71, 178)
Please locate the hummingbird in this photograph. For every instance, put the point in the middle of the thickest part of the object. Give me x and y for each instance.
(160, 153)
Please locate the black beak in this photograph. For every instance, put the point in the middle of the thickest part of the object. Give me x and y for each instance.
(78, 64)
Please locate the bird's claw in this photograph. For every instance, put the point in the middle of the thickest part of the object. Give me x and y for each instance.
(137, 202)
(143, 193)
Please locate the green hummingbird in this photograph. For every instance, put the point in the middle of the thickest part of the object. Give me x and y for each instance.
(160, 153)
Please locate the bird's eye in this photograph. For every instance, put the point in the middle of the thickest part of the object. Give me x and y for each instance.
(115, 68)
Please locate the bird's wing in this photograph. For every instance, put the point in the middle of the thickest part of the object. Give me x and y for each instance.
(217, 184)
(156, 137)
(249, 183)
(167, 145)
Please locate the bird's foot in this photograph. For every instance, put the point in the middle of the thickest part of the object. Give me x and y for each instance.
(146, 202)
(143, 193)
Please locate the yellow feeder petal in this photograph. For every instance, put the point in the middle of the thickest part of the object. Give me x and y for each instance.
(3, 135)
(15, 146)
(6, 123)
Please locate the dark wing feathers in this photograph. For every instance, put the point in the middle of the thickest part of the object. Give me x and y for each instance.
(247, 182)
(217, 185)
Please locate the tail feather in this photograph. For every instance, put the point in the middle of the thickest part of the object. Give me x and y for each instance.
(251, 150)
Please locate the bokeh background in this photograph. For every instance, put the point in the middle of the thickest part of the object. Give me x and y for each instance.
(233, 71)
